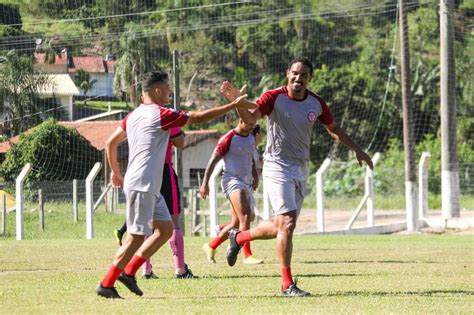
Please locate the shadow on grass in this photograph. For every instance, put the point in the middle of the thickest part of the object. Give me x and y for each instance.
(369, 262)
(301, 275)
(259, 295)
(399, 293)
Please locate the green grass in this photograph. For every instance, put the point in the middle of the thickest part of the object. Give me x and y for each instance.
(104, 105)
(56, 271)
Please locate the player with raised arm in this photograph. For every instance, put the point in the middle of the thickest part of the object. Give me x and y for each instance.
(291, 110)
(147, 130)
(171, 193)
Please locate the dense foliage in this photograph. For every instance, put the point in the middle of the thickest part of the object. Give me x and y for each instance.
(55, 153)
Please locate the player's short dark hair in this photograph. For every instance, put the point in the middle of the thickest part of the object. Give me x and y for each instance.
(304, 61)
(256, 130)
(152, 78)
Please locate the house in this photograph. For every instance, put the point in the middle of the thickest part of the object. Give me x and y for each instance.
(198, 147)
(98, 68)
(60, 91)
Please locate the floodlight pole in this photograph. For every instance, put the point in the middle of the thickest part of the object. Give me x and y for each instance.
(449, 156)
(408, 139)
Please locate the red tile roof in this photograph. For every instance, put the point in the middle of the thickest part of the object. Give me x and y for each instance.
(92, 64)
(97, 132)
(193, 137)
(59, 60)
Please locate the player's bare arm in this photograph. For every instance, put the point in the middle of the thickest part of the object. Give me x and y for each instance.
(255, 176)
(204, 190)
(178, 141)
(216, 112)
(338, 134)
(111, 146)
(249, 113)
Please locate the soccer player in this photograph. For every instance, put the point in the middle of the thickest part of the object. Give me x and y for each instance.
(291, 110)
(170, 191)
(147, 130)
(239, 180)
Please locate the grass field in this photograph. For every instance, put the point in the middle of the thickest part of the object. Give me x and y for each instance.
(56, 271)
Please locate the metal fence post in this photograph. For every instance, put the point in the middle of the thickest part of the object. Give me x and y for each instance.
(90, 200)
(74, 200)
(41, 209)
(19, 200)
(4, 214)
(423, 185)
(213, 197)
(320, 194)
(369, 190)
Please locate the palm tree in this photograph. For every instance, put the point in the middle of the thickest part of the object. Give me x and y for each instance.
(20, 85)
(83, 80)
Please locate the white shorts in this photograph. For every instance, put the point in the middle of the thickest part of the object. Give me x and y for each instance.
(285, 194)
(232, 184)
(142, 209)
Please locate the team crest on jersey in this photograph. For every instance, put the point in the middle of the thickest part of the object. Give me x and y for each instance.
(312, 116)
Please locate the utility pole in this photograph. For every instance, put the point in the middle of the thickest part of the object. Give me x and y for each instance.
(408, 139)
(449, 155)
(178, 157)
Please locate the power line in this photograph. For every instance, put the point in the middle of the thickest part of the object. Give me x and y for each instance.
(130, 14)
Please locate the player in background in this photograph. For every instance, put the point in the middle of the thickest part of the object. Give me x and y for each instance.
(291, 110)
(171, 192)
(239, 180)
(147, 129)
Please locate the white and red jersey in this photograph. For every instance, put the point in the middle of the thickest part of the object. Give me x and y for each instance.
(148, 131)
(237, 152)
(290, 125)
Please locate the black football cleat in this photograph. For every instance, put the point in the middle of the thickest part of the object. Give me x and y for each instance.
(108, 293)
(294, 291)
(131, 283)
(187, 275)
(234, 248)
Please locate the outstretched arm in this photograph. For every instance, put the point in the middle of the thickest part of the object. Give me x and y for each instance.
(204, 190)
(338, 134)
(250, 113)
(216, 112)
(111, 147)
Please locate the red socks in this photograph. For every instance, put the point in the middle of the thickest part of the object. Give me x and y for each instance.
(215, 243)
(243, 237)
(134, 265)
(246, 249)
(286, 277)
(111, 276)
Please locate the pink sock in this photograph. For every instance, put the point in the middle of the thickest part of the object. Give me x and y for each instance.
(147, 267)
(177, 247)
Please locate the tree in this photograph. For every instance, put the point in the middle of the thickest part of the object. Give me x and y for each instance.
(55, 153)
(83, 80)
(20, 84)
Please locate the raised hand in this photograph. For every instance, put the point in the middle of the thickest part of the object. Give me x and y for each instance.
(242, 102)
(230, 92)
